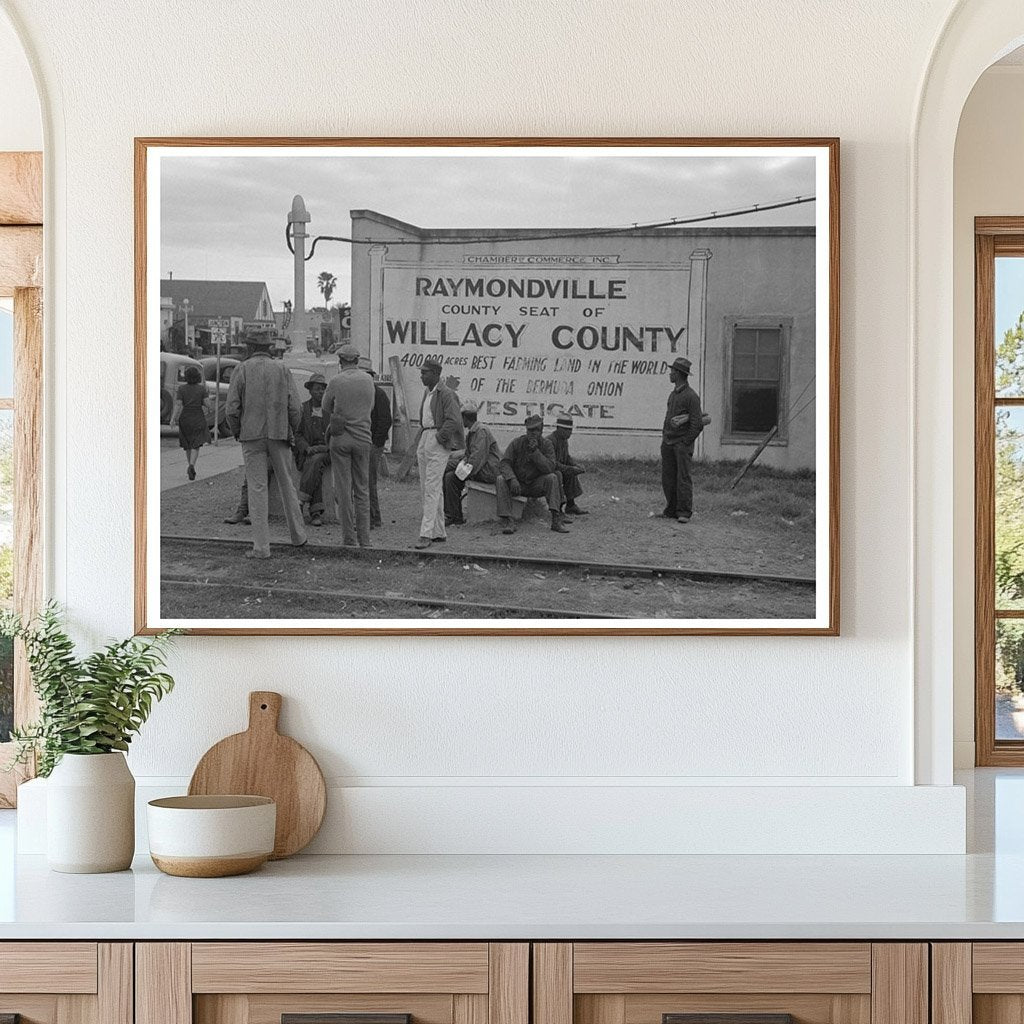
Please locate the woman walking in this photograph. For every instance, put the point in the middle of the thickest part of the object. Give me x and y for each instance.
(190, 416)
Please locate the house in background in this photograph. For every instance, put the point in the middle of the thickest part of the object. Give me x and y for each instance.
(200, 309)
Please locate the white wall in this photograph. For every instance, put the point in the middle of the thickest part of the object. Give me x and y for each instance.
(433, 716)
(987, 182)
(21, 126)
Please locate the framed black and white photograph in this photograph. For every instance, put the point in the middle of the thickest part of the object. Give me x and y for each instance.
(571, 386)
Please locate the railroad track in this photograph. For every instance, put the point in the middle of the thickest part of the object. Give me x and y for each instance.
(341, 599)
(525, 561)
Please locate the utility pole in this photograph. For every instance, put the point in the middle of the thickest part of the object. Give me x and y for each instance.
(298, 218)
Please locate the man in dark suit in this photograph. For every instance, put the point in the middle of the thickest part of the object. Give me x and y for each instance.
(684, 421)
(567, 466)
(528, 469)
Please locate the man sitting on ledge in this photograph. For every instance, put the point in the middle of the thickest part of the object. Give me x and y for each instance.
(481, 457)
(528, 469)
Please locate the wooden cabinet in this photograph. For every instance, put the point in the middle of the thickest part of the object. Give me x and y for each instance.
(494, 983)
(751, 982)
(66, 982)
(311, 982)
(978, 983)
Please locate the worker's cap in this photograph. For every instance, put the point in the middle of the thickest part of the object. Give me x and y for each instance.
(260, 340)
(348, 354)
(564, 421)
(365, 364)
(533, 421)
(468, 413)
(431, 364)
(317, 378)
(682, 365)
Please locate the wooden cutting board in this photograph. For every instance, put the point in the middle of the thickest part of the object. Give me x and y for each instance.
(262, 762)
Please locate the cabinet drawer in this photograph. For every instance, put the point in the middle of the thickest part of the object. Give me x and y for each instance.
(340, 967)
(634, 967)
(64, 967)
(730, 983)
(66, 982)
(332, 983)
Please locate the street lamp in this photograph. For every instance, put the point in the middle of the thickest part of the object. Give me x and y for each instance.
(184, 306)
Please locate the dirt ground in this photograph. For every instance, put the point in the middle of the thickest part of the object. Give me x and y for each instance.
(765, 525)
(318, 582)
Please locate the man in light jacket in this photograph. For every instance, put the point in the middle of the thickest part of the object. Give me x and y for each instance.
(262, 409)
(348, 404)
(441, 434)
(481, 457)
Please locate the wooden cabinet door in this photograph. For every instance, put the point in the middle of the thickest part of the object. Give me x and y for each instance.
(66, 982)
(730, 983)
(332, 983)
(978, 983)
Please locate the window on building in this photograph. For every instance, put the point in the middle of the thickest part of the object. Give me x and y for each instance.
(999, 491)
(755, 380)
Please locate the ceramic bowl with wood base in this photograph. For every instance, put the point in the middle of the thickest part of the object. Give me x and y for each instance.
(211, 836)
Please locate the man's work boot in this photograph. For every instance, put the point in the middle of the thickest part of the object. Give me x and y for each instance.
(508, 524)
(558, 522)
(574, 510)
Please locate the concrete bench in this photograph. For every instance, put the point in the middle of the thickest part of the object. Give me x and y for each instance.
(480, 502)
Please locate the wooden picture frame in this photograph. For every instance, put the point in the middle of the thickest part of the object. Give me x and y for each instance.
(817, 389)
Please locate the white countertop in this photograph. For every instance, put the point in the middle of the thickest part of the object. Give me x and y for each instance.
(517, 897)
(977, 896)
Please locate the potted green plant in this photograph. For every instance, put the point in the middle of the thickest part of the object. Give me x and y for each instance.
(89, 710)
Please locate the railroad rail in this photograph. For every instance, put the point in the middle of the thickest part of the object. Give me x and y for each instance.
(526, 561)
(476, 607)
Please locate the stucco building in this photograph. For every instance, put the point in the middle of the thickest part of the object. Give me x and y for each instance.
(534, 321)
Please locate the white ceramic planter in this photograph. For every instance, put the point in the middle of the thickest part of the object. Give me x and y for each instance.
(90, 814)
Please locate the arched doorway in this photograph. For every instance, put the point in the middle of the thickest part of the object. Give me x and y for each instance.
(977, 33)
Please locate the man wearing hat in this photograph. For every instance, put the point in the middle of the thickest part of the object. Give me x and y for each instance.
(262, 409)
(528, 468)
(683, 423)
(479, 462)
(312, 455)
(348, 403)
(441, 434)
(569, 468)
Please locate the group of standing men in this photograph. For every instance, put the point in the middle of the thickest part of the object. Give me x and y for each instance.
(334, 427)
(345, 424)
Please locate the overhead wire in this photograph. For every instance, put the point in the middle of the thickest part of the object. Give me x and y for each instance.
(492, 238)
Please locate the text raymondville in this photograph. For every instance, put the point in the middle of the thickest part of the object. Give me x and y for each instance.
(522, 288)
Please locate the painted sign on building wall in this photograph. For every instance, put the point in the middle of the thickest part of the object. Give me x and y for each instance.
(591, 333)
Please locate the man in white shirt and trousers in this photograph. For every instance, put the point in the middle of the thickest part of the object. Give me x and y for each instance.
(441, 433)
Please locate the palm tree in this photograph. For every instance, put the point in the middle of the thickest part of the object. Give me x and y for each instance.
(326, 282)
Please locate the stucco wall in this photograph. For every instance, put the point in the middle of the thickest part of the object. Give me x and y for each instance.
(444, 715)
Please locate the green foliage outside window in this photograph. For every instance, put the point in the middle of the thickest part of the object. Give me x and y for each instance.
(1009, 510)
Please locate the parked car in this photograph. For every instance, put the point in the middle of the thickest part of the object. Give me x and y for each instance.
(227, 367)
(172, 373)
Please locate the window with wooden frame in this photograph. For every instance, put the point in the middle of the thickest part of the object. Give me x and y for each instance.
(756, 377)
(21, 366)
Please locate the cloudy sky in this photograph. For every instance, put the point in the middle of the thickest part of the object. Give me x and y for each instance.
(223, 217)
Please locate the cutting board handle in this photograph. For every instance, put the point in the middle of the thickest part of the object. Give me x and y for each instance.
(264, 710)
